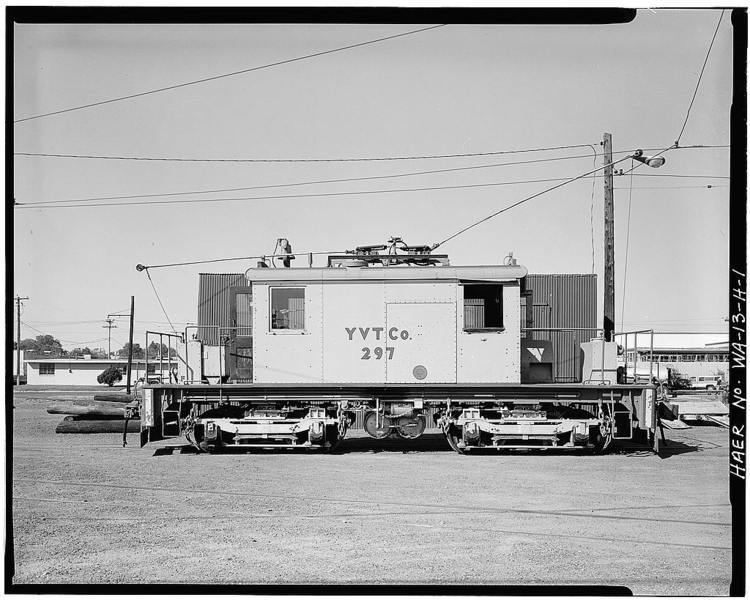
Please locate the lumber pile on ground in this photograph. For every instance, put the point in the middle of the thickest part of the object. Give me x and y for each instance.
(105, 413)
(95, 426)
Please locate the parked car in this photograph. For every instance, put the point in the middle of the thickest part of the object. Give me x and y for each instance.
(709, 383)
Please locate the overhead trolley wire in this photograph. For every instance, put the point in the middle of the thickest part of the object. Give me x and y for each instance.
(224, 75)
(528, 198)
(697, 85)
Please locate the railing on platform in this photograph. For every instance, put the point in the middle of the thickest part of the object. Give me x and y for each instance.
(626, 335)
(172, 357)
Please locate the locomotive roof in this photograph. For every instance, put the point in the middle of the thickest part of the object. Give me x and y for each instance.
(452, 273)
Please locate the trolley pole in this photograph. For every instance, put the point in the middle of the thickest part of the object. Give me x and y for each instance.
(609, 241)
(18, 339)
(130, 345)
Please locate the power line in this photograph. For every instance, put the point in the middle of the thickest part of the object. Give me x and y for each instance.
(224, 75)
(42, 205)
(697, 85)
(290, 160)
(325, 160)
(346, 180)
(681, 176)
(507, 208)
(60, 339)
(591, 212)
(65, 322)
(675, 187)
(313, 182)
(627, 248)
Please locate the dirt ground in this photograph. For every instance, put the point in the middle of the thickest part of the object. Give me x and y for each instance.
(87, 510)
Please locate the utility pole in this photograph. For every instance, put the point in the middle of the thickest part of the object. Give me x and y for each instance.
(109, 326)
(18, 338)
(130, 345)
(609, 241)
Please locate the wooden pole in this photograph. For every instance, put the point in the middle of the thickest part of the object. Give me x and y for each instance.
(18, 340)
(609, 241)
(130, 345)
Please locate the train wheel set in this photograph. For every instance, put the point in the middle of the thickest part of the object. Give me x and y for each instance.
(213, 424)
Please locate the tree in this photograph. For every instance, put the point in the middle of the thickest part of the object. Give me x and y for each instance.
(111, 375)
(137, 351)
(156, 350)
(43, 345)
(80, 352)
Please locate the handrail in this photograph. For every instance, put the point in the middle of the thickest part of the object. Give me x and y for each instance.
(635, 333)
(170, 360)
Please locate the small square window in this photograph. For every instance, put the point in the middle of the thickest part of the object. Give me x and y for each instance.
(287, 308)
(46, 368)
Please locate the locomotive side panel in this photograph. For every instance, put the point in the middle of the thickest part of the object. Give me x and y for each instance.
(353, 325)
(288, 333)
(424, 348)
(489, 343)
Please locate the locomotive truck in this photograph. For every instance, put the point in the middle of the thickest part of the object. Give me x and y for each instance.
(388, 336)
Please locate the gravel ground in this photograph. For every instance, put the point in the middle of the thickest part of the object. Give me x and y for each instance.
(86, 510)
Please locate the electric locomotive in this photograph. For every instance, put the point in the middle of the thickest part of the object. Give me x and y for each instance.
(390, 336)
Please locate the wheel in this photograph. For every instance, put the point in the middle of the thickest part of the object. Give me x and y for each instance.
(211, 448)
(377, 425)
(710, 388)
(602, 441)
(333, 436)
(454, 435)
(410, 428)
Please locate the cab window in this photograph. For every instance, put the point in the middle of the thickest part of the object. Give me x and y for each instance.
(483, 306)
(287, 308)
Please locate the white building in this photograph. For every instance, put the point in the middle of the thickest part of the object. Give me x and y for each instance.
(689, 362)
(76, 371)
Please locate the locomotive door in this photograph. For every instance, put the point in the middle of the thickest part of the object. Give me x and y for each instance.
(239, 350)
(422, 336)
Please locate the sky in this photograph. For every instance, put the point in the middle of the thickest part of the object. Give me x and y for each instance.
(458, 89)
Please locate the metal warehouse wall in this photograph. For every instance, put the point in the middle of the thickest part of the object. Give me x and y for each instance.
(213, 303)
(564, 300)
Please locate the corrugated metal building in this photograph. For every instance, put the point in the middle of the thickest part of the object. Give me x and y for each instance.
(558, 301)
(214, 304)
